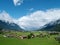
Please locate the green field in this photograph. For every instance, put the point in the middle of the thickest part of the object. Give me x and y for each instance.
(32, 41)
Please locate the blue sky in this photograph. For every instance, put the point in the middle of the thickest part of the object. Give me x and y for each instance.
(23, 9)
(30, 14)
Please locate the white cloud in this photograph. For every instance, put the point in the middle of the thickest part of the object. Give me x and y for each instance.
(4, 16)
(38, 19)
(34, 20)
(17, 2)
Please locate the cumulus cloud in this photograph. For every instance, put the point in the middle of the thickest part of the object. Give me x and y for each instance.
(4, 16)
(17, 2)
(38, 19)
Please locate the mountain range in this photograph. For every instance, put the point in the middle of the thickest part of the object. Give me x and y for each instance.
(9, 26)
(7, 22)
(52, 26)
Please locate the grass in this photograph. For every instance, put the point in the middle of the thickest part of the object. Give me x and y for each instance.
(33, 41)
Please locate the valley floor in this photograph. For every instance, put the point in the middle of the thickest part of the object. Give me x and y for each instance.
(32, 41)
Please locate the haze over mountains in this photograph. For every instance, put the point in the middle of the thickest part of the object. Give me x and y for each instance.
(34, 21)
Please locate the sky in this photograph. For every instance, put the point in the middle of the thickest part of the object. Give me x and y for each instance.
(27, 6)
(30, 14)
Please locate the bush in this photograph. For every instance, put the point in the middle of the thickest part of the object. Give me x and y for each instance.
(1, 32)
(29, 36)
(57, 38)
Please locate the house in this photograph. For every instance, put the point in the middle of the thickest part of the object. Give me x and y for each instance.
(23, 36)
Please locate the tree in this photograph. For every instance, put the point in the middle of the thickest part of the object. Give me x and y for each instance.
(1, 32)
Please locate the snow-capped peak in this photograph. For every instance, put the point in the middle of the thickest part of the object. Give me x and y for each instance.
(4, 16)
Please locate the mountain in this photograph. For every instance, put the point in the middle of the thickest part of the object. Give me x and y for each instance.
(7, 22)
(9, 26)
(52, 26)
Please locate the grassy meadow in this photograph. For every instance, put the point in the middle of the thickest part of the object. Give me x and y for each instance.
(32, 41)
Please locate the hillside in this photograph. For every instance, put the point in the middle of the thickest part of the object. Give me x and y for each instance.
(9, 26)
(52, 26)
